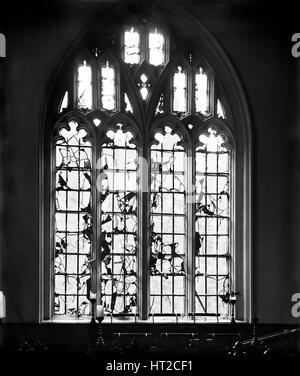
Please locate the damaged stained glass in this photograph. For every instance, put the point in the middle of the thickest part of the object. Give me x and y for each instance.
(212, 225)
(73, 222)
(180, 91)
(156, 48)
(132, 46)
(84, 86)
(118, 243)
(108, 87)
(202, 92)
(168, 225)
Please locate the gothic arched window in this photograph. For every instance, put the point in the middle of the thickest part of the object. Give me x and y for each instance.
(143, 186)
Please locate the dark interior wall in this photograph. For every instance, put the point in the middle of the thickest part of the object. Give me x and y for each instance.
(258, 45)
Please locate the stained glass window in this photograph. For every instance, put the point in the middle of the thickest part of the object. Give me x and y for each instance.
(160, 105)
(202, 92)
(220, 110)
(180, 91)
(128, 107)
(108, 88)
(157, 243)
(73, 221)
(212, 224)
(119, 222)
(132, 46)
(156, 48)
(64, 102)
(144, 86)
(168, 225)
(84, 86)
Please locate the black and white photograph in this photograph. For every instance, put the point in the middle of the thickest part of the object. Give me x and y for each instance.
(149, 185)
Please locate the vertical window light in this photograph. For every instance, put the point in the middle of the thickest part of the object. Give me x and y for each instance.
(118, 244)
(220, 110)
(128, 107)
(84, 86)
(73, 222)
(168, 225)
(212, 226)
(132, 46)
(108, 87)
(202, 92)
(156, 48)
(180, 91)
(65, 102)
(160, 105)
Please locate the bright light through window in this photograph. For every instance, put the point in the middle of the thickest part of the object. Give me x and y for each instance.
(144, 86)
(202, 92)
(128, 107)
(65, 102)
(84, 89)
(220, 110)
(180, 91)
(108, 91)
(132, 46)
(156, 48)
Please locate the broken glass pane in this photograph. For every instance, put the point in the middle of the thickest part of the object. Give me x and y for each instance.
(73, 221)
(168, 222)
(108, 88)
(156, 48)
(84, 86)
(180, 91)
(118, 245)
(202, 92)
(212, 224)
(132, 46)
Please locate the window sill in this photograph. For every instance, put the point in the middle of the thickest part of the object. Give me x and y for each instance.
(131, 320)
